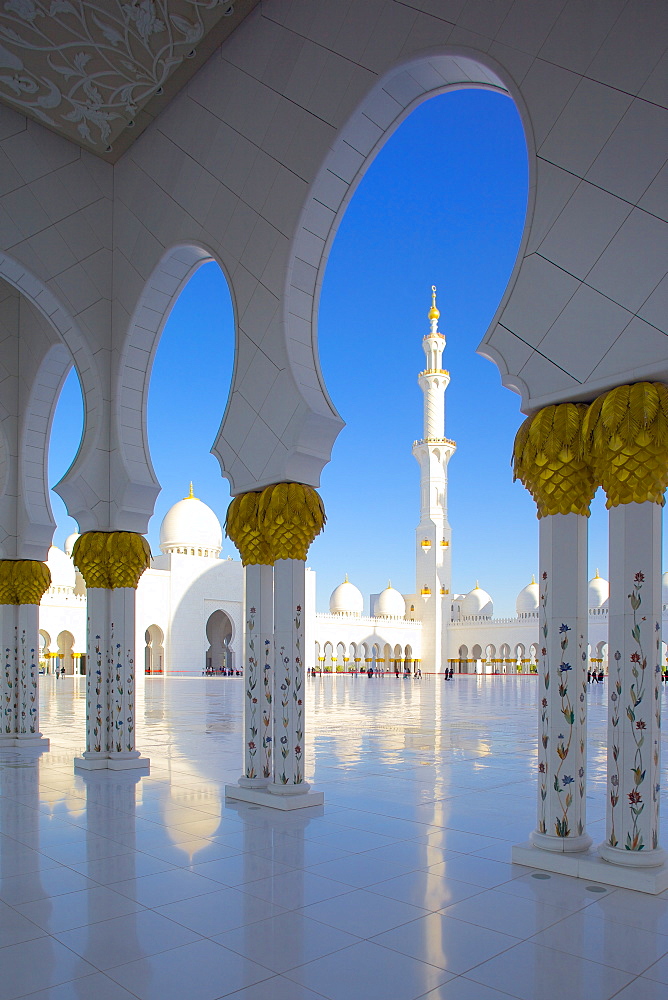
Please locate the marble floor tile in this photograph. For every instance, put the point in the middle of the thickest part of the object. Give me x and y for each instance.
(220, 911)
(38, 964)
(362, 913)
(532, 972)
(154, 887)
(368, 971)
(518, 917)
(446, 943)
(200, 971)
(285, 941)
(76, 909)
(431, 892)
(124, 939)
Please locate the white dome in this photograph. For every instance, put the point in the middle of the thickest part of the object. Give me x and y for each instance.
(477, 604)
(664, 588)
(346, 599)
(390, 604)
(191, 527)
(62, 568)
(69, 543)
(598, 592)
(528, 599)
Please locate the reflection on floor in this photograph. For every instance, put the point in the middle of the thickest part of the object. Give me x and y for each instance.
(115, 886)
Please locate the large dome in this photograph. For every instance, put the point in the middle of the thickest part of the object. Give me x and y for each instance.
(69, 543)
(598, 592)
(477, 604)
(191, 528)
(528, 599)
(62, 569)
(390, 604)
(346, 599)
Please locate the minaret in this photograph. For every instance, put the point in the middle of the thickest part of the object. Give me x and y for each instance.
(433, 535)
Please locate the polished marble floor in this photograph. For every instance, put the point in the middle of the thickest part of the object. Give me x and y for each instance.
(115, 886)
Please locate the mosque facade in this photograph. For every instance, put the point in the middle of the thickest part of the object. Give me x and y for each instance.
(189, 604)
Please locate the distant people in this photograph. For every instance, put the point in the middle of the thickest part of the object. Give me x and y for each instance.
(62, 671)
(57, 673)
(369, 672)
(589, 677)
(600, 677)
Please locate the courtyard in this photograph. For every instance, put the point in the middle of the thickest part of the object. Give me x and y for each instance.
(117, 887)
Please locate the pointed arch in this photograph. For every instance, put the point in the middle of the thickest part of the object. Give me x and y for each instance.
(138, 483)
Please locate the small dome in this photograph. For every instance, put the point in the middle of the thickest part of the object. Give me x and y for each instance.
(664, 588)
(477, 604)
(346, 599)
(192, 527)
(62, 568)
(598, 592)
(69, 543)
(390, 604)
(528, 599)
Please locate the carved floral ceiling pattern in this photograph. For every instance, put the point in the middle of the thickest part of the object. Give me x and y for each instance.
(96, 71)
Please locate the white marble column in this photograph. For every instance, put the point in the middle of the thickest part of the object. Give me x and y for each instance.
(27, 664)
(634, 695)
(8, 676)
(110, 681)
(289, 596)
(19, 679)
(562, 685)
(258, 676)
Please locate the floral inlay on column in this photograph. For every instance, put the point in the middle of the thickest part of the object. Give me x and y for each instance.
(626, 431)
(548, 459)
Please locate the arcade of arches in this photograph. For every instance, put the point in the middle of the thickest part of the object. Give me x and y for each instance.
(251, 162)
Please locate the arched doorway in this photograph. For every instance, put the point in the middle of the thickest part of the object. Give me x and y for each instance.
(154, 650)
(65, 642)
(219, 655)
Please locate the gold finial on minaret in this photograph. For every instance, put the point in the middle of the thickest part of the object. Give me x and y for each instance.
(433, 312)
(191, 493)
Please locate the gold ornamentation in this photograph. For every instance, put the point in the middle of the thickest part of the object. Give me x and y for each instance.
(23, 581)
(433, 312)
(548, 459)
(290, 515)
(278, 523)
(111, 559)
(626, 434)
(241, 525)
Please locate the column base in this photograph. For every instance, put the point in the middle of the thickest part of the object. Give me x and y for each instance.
(591, 866)
(120, 762)
(33, 740)
(112, 762)
(561, 845)
(245, 782)
(632, 859)
(91, 761)
(284, 800)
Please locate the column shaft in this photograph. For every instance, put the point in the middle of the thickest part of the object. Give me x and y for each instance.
(19, 680)
(28, 673)
(562, 707)
(289, 596)
(8, 677)
(110, 681)
(258, 675)
(634, 705)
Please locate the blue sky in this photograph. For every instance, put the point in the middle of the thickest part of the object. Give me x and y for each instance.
(443, 203)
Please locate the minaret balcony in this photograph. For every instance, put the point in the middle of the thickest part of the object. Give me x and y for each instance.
(441, 441)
